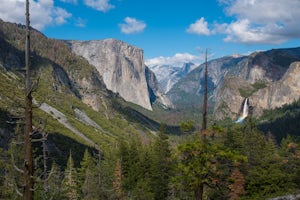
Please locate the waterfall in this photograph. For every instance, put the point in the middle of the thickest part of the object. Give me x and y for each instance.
(245, 111)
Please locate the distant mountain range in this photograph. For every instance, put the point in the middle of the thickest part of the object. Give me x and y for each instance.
(168, 75)
(269, 79)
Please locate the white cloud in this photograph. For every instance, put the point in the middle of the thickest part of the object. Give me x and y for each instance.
(42, 13)
(199, 27)
(132, 25)
(60, 16)
(261, 21)
(101, 5)
(241, 31)
(69, 1)
(178, 59)
(80, 22)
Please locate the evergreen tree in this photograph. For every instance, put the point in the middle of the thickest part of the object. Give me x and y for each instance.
(70, 181)
(53, 189)
(117, 184)
(85, 164)
(130, 162)
(203, 163)
(236, 184)
(87, 177)
(13, 160)
(161, 166)
(143, 189)
(265, 175)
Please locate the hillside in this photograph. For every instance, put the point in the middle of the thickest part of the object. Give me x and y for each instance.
(72, 102)
(98, 146)
(123, 70)
(258, 76)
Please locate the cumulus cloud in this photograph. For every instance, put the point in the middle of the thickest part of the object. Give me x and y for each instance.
(132, 25)
(42, 13)
(199, 27)
(178, 59)
(101, 5)
(261, 21)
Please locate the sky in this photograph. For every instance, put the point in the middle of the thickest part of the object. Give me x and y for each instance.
(168, 31)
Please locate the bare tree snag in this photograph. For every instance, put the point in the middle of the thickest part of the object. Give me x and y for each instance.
(204, 116)
(28, 161)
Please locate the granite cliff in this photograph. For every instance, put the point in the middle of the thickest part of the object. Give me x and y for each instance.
(268, 78)
(122, 67)
(155, 91)
(168, 75)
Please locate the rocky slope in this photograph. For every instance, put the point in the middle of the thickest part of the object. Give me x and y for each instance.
(189, 89)
(122, 68)
(268, 78)
(73, 102)
(284, 91)
(168, 75)
(156, 93)
(261, 76)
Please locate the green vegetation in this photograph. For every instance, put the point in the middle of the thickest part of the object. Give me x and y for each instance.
(281, 122)
(249, 90)
(236, 162)
(138, 158)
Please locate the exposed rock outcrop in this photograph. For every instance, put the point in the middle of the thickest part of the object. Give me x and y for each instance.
(168, 75)
(229, 100)
(284, 91)
(121, 66)
(267, 78)
(189, 90)
(61, 118)
(156, 93)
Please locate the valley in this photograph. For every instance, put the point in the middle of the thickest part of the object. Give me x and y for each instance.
(128, 132)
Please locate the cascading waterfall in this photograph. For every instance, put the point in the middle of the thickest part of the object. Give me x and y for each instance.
(245, 111)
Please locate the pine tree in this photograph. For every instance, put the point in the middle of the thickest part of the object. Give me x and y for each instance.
(70, 181)
(117, 184)
(143, 189)
(12, 183)
(88, 177)
(85, 164)
(203, 163)
(54, 185)
(237, 184)
(130, 162)
(161, 166)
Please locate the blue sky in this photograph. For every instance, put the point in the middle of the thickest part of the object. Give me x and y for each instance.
(169, 31)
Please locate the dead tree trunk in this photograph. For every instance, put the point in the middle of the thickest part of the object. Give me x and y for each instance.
(28, 161)
(204, 116)
(44, 146)
(200, 189)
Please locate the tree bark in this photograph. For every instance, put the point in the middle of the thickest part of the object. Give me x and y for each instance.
(204, 116)
(199, 192)
(28, 161)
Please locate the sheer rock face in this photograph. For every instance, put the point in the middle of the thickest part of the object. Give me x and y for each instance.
(121, 66)
(284, 91)
(155, 91)
(265, 77)
(274, 94)
(228, 99)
